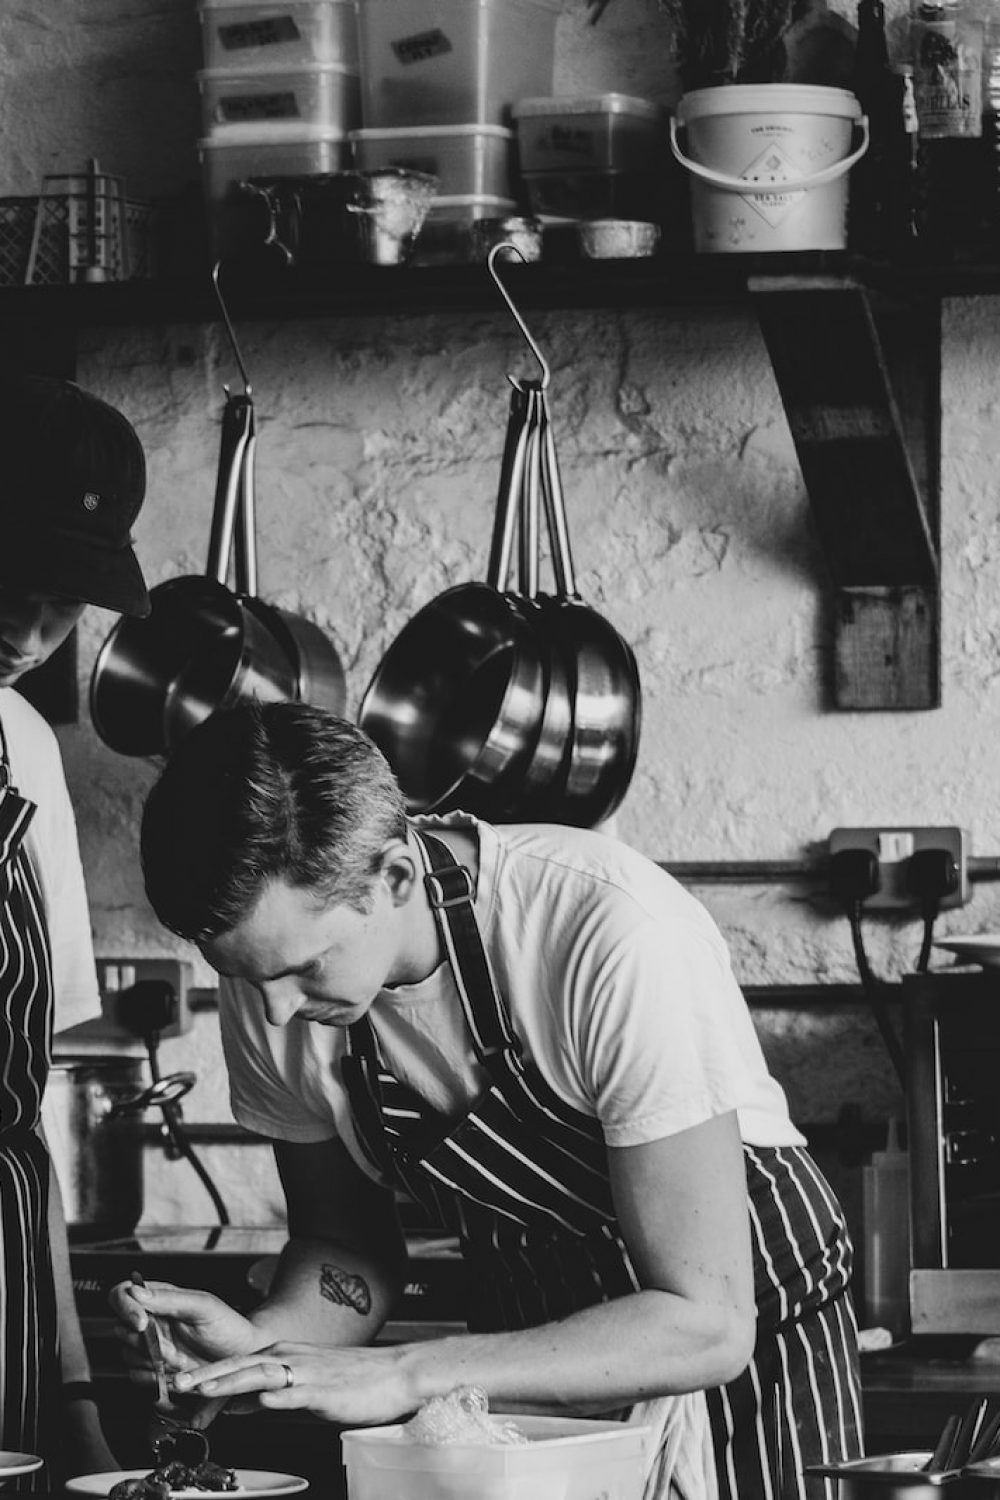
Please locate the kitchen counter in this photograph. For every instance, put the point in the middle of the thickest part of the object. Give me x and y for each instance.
(911, 1389)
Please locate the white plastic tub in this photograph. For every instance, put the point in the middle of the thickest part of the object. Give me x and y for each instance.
(565, 1459)
(769, 164)
(321, 96)
(467, 159)
(446, 238)
(278, 33)
(599, 133)
(452, 62)
(237, 152)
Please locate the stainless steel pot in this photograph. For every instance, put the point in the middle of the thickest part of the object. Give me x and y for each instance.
(94, 1134)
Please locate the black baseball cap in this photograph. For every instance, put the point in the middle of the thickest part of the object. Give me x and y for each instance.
(72, 481)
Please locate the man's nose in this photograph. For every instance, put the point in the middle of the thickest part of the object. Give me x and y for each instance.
(22, 628)
(282, 999)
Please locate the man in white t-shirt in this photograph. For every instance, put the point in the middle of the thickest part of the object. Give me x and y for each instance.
(535, 1033)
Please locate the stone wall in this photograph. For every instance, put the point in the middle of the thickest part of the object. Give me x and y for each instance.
(379, 449)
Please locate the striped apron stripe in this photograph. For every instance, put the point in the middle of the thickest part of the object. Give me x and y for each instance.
(28, 1328)
(522, 1180)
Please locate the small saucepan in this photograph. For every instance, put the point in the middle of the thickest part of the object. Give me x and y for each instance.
(604, 677)
(200, 646)
(205, 646)
(456, 702)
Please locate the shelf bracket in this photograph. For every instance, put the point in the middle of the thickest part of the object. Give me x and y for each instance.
(859, 378)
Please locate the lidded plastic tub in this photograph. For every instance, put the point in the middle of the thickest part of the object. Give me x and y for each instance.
(237, 152)
(452, 62)
(565, 1458)
(239, 34)
(446, 237)
(321, 95)
(598, 133)
(468, 159)
(769, 164)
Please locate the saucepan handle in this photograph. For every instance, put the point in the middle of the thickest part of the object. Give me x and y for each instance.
(237, 429)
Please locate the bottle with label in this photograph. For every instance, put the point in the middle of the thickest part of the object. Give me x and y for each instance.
(946, 48)
(883, 184)
(991, 129)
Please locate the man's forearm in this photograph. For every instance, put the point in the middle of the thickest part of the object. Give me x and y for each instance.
(632, 1348)
(328, 1293)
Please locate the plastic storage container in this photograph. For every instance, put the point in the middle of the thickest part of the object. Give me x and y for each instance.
(568, 1458)
(596, 195)
(322, 95)
(468, 159)
(605, 133)
(281, 34)
(237, 152)
(446, 237)
(452, 62)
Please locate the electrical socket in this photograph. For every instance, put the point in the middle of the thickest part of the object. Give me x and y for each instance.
(894, 846)
(116, 975)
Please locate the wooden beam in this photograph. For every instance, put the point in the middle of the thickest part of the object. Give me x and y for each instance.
(860, 385)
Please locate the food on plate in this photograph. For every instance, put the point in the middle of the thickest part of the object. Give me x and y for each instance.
(182, 1463)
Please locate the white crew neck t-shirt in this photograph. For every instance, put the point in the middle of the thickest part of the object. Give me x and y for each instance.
(618, 984)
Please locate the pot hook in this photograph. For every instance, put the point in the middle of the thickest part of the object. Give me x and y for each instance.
(233, 521)
(491, 262)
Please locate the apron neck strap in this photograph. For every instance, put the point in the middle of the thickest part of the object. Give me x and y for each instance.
(451, 892)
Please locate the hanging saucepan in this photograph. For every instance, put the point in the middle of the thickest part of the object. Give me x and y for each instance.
(224, 672)
(522, 798)
(163, 675)
(203, 646)
(457, 699)
(606, 692)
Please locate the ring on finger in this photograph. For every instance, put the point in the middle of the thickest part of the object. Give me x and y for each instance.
(289, 1375)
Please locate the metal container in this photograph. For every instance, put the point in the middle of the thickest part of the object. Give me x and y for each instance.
(892, 1476)
(95, 1140)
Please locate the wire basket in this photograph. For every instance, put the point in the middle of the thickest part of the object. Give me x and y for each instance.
(44, 239)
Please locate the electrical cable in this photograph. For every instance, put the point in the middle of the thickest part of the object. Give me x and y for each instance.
(931, 875)
(175, 1135)
(874, 990)
(854, 874)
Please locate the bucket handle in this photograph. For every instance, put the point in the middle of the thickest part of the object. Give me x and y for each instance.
(762, 189)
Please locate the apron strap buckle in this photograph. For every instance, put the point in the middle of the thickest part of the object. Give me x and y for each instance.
(449, 887)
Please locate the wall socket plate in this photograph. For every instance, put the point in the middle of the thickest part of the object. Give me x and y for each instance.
(894, 845)
(116, 975)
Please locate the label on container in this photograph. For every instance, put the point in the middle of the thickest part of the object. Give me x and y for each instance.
(281, 105)
(420, 47)
(947, 78)
(772, 166)
(272, 32)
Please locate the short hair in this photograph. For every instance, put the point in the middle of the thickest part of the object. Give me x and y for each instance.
(262, 792)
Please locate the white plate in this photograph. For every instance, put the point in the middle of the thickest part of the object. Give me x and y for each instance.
(255, 1482)
(978, 948)
(13, 1464)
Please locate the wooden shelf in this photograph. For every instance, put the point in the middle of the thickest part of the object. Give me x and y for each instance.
(855, 347)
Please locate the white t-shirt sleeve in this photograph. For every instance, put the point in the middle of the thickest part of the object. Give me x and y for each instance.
(660, 1041)
(54, 850)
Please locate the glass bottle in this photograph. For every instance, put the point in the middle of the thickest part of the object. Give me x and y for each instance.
(946, 45)
(882, 205)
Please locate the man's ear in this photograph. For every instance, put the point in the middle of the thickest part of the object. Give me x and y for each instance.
(401, 869)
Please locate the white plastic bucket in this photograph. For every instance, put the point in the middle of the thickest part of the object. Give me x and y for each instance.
(769, 164)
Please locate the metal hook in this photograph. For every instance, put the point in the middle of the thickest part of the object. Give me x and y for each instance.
(247, 388)
(491, 260)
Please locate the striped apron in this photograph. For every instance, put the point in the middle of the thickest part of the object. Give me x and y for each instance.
(522, 1180)
(28, 1322)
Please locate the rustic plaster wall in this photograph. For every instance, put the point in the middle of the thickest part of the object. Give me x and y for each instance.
(379, 447)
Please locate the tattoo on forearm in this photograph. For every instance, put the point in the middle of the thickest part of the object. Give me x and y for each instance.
(346, 1289)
